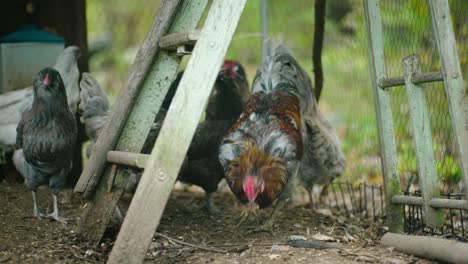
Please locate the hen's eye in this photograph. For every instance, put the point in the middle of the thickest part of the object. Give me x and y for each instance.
(236, 68)
(234, 164)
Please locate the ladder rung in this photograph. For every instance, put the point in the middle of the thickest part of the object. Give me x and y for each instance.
(406, 199)
(175, 40)
(435, 202)
(128, 158)
(417, 78)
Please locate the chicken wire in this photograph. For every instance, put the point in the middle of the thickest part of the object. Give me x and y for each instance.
(407, 30)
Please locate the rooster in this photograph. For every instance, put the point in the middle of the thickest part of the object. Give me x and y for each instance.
(261, 152)
(46, 136)
(13, 104)
(280, 134)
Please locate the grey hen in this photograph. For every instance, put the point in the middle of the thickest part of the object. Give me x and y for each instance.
(46, 136)
(323, 159)
(94, 108)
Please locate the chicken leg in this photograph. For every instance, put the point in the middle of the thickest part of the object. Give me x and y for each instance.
(56, 213)
(36, 211)
(209, 204)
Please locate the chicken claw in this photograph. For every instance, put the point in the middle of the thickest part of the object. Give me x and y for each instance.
(244, 216)
(55, 214)
(58, 218)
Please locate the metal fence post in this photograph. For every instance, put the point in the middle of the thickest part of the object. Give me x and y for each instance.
(384, 114)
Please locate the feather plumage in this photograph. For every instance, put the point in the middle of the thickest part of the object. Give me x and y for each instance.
(46, 136)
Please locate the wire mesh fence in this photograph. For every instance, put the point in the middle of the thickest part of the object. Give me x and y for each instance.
(407, 30)
(454, 226)
(362, 200)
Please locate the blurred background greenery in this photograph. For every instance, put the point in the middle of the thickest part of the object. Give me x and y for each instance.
(116, 28)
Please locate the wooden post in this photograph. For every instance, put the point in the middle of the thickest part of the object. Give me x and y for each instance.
(422, 137)
(384, 115)
(457, 92)
(176, 133)
(441, 249)
(162, 70)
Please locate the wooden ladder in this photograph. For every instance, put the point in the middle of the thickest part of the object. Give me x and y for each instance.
(458, 105)
(172, 34)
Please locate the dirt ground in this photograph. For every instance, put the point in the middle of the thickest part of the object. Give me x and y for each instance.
(185, 227)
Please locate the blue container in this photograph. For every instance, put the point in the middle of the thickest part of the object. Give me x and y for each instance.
(24, 53)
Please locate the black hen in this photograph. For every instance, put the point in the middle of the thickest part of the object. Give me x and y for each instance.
(46, 136)
(202, 167)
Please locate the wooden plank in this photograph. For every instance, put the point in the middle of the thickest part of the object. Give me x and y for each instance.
(143, 61)
(449, 203)
(384, 115)
(441, 249)
(101, 206)
(422, 137)
(172, 41)
(182, 118)
(434, 202)
(132, 159)
(417, 78)
(406, 199)
(457, 92)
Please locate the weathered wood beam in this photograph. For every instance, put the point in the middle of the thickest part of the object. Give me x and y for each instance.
(383, 114)
(440, 249)
(131, 159)
(170, 148)
(422, 137)
(406, 199)
(457, 92)
(173, 41)
(449, 203)
(434, 202)
(142, 65)
(416, 78)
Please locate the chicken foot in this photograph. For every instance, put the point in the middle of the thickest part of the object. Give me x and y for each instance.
(209, 204)
(56, 213)
(269, 223)
(245, 215)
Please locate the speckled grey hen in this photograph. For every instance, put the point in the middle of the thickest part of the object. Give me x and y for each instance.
(46, 136)
(323, 159)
